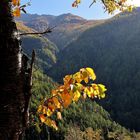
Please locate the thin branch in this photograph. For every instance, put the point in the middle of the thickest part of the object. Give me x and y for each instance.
(92, 3)
(48, 30)
(31, 67)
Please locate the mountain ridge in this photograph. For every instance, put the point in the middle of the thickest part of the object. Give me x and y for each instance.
(67, 26)
(112, 49)
(45, 50)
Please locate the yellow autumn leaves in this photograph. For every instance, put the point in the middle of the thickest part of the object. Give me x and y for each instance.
(16, 2)
(16, 8)
(76, 3)
(110, 5)
(76, 86)
(121, 5)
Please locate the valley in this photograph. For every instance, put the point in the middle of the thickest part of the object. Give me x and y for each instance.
(111, 47)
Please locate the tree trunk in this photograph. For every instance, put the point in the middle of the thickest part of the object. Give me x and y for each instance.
(12, 86)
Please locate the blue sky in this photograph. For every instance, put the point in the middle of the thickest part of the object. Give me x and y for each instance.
(57, 7)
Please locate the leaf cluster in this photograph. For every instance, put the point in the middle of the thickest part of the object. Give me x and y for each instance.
(110, 5)
(17, 7)
(76, 86)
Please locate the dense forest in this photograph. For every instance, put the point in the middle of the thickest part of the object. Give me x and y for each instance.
(111, 47)
(83, 121)
(55, 71)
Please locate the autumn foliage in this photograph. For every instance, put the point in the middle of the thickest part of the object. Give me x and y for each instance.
(109, 5)
(76, 86)
(17, 7)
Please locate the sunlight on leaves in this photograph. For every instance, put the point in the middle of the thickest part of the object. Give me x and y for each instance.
(76, 86)
(110, 5)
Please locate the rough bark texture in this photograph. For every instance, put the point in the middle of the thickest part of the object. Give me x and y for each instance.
(12, 78)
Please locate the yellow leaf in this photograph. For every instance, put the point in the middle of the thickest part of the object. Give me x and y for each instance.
(102, 88)
(16, 2)
(78, 1)
(86, 80)
(48, 121)
(79, 86)
(96, 93)
(95, 86)
(89, 91)
(44, 110)
(51, 106)
(54, 125)
(66, 99)
(130, 8)
(77, 77)
(86, 91)
(16, 12)
(56, 102)
(42, 118)
(102, 95)
(91, 73)
(54, 92)
(49, 112)
(39, 109)
(67, 79)
(84, 74)
(76, 96)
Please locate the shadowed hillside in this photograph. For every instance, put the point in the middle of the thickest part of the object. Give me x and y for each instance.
(45, 50)
(113, 50)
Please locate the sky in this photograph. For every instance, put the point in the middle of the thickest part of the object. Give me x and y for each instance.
(58, 7)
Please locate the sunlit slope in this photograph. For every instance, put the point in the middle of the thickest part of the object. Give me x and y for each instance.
(45, 50)
(68, 27)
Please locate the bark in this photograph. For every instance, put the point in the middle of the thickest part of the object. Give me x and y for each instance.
(12, 78)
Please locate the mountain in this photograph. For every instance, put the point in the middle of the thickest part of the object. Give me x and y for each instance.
(113, 50)
(85, 120)
(67, 26)
(45, 50)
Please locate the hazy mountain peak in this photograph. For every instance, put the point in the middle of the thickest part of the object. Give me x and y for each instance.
(68, 26)
(72, 16)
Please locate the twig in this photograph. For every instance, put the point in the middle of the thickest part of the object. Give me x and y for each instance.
(92, 3)
(31, 68)
(48, 30)
(28, 94)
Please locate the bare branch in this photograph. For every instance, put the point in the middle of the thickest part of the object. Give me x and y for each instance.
(92, 3)
(48, 30)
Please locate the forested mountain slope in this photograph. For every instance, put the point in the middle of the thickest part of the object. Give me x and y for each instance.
(113, 50)
(84, 120)
(45, 50)
(67, 26)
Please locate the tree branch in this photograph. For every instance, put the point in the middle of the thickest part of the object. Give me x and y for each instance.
(92, 3)
(48, 30)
